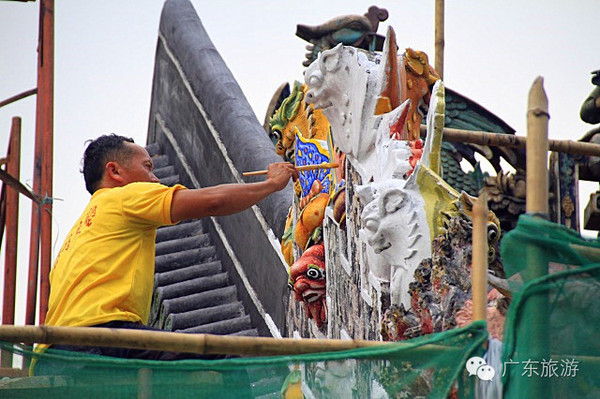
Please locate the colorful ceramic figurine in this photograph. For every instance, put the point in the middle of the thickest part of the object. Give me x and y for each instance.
(294, 114)
(312, 212)
(292, 386)
(417, 77)
(307, 278)
(301, 135)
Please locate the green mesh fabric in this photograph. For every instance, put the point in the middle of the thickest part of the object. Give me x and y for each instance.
(431, 366)
(552, 345)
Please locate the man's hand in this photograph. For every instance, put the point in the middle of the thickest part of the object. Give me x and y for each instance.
(279, 174)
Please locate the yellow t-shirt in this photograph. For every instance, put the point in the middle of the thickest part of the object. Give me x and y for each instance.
(105, 268)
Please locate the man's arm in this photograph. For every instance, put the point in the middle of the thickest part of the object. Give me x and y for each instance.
(227, 199)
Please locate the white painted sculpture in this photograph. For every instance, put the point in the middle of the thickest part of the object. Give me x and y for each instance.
(393, 220)
(345, 83)
(394, 216)
(338, 83)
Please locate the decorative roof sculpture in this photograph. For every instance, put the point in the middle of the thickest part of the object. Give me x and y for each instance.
(358, 31)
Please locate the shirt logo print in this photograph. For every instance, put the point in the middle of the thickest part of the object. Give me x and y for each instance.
(90, 216)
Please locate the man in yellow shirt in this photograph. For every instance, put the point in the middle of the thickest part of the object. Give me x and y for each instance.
(104, 272)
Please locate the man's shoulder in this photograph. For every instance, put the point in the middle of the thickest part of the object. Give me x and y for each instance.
(150, 187)
(134, 194)
(142, 185)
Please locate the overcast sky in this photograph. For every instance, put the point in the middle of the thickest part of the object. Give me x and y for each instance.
(104, 61)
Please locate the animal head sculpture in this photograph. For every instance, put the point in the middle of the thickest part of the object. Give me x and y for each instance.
(401, 217)
(294, 114)
(308, 280)
(339, 82)
(360, 94)
(395, 227)
(391, 220)
(465, 208)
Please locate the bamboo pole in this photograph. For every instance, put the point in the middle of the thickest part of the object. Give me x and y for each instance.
(480, 258)
(34, 249)
(189, 343)
(510, 140)
(439, 38)
(537, 149)
(34, 233)
(534, 339)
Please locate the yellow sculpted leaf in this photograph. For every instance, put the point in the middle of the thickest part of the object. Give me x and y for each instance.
(301, 234)
(313, 214)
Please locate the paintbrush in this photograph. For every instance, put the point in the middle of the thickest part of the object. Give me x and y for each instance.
(298, 168)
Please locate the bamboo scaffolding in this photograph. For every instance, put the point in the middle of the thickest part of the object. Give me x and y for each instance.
(439, 38)
(509, 140)
(480, 258)
(189, 343)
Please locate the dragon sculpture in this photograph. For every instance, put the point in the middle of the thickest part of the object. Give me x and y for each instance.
(293, 114)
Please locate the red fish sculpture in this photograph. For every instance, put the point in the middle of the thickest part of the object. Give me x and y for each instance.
(307, 279)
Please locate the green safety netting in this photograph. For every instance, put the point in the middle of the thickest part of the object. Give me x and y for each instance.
(552, 330)
(430, 366)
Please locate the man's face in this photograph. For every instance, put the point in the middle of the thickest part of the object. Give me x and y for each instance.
(138, 166)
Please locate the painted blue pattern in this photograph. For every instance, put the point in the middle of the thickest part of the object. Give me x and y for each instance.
(310, 152)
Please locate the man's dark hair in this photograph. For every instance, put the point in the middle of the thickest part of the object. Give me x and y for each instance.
(104, 149)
